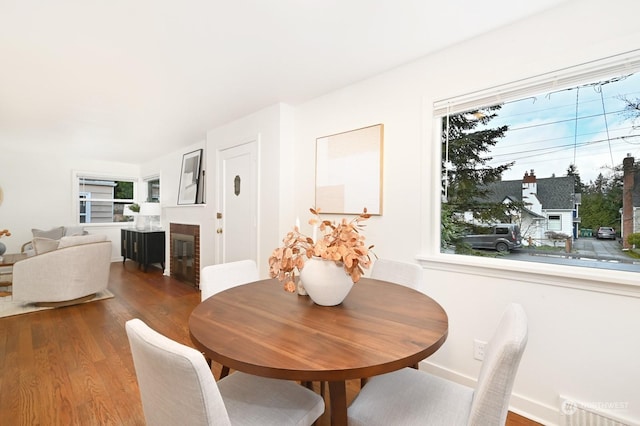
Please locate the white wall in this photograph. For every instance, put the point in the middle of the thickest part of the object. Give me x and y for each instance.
(38, 188)
(583, 344)
(271, 127)
(38, 194)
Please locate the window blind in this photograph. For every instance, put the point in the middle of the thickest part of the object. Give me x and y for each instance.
(613, 66)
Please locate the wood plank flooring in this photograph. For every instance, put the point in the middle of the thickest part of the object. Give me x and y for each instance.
(73, 366)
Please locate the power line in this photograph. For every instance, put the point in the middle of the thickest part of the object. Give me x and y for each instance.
(606, 124)
(547, 140)
(583, 104)
(550, 123)
(558, 148)
(559, 115)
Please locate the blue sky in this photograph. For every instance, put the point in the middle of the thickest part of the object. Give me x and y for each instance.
(545, 136)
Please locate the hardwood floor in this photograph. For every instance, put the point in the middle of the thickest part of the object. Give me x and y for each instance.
(73, 366)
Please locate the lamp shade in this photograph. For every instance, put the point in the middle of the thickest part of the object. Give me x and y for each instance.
(150, 209)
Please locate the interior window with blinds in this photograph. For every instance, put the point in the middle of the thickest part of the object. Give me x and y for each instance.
(533, 171)
(103, 200)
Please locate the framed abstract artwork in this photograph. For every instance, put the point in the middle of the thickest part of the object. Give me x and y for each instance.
(349, 171)
(188, 191)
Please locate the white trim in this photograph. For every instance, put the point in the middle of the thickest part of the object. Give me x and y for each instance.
(608, 281)
(145, 182)
(75, 192)
(625, 63)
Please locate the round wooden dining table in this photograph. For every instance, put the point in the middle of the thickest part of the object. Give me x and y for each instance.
(260, 329)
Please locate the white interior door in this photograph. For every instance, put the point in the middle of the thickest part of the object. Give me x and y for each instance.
(238, 204)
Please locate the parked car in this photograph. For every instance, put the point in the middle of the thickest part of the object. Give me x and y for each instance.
(502, 237)
(606, 232)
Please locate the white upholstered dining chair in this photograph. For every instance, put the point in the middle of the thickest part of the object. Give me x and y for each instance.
(220, 277)
(407, 274)
(177, 388)
(403, 273)
(412, 397)
(223, 276)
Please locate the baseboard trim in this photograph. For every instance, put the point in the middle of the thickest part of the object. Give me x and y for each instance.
(519, 404)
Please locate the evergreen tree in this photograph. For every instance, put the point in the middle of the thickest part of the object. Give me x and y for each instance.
(601, 202)
(572, 170)
(123, 190)
(468, 173)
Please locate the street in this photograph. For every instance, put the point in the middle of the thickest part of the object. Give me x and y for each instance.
(589, 252)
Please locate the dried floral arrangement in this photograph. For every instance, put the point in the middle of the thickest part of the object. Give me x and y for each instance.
(340, 242)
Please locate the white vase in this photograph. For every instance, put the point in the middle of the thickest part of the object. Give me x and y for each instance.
(326, 282)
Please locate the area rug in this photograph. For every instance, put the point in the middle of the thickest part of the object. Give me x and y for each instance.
(8, 307)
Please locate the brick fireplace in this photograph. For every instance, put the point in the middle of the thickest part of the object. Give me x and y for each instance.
(184, 246)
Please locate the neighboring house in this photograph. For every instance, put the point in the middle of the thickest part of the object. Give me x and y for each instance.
(550, 204)
(96, 204)
(630, 221)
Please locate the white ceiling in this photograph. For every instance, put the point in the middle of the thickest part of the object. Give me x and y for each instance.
(121, 80)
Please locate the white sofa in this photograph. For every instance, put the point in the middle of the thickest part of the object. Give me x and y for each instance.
(66, 275)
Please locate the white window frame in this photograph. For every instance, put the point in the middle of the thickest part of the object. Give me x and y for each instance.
(75, 194)
(146, 181)
(593, 279)
(87, 206)
(554, 222)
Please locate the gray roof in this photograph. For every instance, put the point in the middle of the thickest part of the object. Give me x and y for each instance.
(553, 193)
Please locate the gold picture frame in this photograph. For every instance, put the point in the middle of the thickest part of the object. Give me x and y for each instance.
(349, 171)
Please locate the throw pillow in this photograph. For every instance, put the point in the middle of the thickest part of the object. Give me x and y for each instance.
(77, 240)
(43, 245)
(74, 230)
(52, 234)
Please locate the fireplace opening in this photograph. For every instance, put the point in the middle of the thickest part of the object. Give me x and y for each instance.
(185, 253)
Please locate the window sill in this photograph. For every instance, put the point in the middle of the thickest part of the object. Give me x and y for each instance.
(591, 279)
(105, 225)
(177, 206)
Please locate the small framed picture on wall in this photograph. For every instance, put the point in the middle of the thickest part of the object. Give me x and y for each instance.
(189, 189)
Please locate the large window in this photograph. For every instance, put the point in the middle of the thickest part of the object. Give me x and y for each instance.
(554, 156)
(102, 200)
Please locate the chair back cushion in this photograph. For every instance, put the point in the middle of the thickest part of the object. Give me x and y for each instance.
(497, 375)
(176, 384)
(407, 274)
(220, 277)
